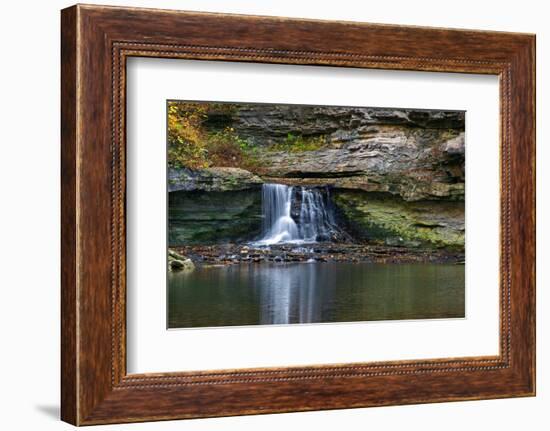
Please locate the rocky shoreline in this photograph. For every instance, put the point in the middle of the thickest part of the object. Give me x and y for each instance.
(235, 254)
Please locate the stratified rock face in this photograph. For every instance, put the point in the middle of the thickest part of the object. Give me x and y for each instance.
(206, 217)
(212, 180)
(414, 164)
(266, 124)
(387, 219)
(416, 154)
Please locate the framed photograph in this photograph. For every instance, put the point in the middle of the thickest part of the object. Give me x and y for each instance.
(264, 214)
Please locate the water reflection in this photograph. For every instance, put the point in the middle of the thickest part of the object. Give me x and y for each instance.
(288, 295)
(310, 293)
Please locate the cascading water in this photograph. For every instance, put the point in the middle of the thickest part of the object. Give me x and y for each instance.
(315, 221)
(278, 225)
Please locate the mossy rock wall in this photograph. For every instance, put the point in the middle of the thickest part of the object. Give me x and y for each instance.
(199, 217)
(383, 218)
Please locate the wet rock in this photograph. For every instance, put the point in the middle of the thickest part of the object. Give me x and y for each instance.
(412, 244)
(394, 241)
(200, 217)
(212, 179)
(178, 262)
(402, 252)
(173, 254)
(182, 265)
(386, 219)
(454, 146)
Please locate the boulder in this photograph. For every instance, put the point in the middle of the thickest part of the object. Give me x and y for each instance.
(177, 262)
(454, 146)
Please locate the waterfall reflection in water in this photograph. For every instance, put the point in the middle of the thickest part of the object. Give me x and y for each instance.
(289, 295)
(265, 294)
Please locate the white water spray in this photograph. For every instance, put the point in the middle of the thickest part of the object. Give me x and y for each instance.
(315, 220)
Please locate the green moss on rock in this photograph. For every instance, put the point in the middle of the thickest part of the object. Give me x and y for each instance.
(201, 217)
(384, 218)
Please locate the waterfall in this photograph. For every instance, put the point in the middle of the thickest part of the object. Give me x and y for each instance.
(315, 220)
(278, 225)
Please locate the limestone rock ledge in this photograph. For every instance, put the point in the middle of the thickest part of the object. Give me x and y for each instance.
(266, 124)
(212, 180)
(413, 164)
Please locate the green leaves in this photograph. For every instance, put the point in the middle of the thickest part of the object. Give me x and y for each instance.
(191, 145)
(298, 143)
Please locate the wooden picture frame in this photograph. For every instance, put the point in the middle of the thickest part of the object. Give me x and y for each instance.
(95, 43)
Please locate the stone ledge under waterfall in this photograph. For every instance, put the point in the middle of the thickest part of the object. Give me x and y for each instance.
(285, 224)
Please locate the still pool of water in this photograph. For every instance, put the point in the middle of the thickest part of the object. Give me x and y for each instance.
(313, 293)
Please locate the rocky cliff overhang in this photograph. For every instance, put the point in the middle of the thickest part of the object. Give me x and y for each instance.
(414, 154)
(415, 166)
(267, 123)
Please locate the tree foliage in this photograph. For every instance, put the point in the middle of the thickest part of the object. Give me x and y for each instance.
(186, 135)
(191, 145)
